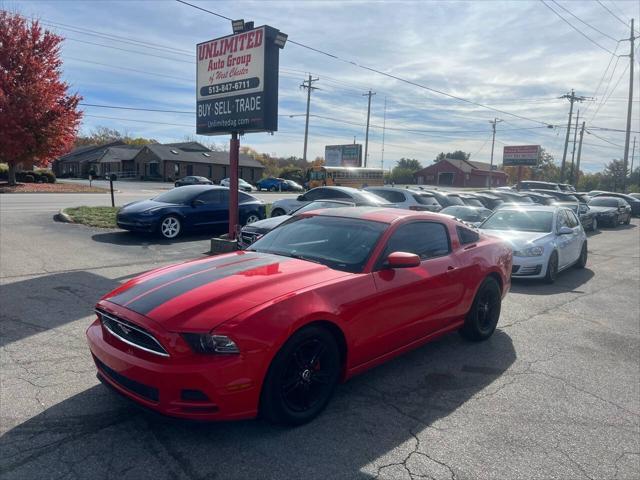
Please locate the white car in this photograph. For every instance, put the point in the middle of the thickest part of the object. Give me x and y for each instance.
(545, 239)
(347, 194)
(242, 185)
(408, 199)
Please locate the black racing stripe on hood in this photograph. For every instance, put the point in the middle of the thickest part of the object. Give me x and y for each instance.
(189, 269)
(146, 303)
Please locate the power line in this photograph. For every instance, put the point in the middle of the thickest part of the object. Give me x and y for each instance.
(585, 23)
(140, 121)
(379, 72)
(626, 24)
(144, 72)
(576, 29)
(604, 139)
(610, 93)
(118, 107)
(127, 50)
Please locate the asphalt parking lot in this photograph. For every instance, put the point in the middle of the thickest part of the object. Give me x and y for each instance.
(554, 394)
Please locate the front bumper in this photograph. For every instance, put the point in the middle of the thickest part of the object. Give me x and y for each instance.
(529, 267)
(137, 225)
(198, 387)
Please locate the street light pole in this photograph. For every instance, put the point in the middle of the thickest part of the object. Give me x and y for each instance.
(493, 141)
(366, 138)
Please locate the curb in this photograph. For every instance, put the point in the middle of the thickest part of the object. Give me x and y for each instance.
(61, 216)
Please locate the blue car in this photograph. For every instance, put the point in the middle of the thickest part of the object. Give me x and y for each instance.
(272, 184)
(189, 208)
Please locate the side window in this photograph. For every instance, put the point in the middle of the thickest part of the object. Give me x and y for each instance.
(425, 239)
(328, 193)
(572, 220)
(243, 197)
(313, 194)
(212, 196)
(467, 236)
(389, 195)
(562, 220)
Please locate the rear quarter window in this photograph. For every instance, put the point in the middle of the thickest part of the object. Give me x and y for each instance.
(389, 195)
(467, 236)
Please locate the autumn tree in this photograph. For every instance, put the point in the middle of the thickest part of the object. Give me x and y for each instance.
(39, 118)
(101, 135)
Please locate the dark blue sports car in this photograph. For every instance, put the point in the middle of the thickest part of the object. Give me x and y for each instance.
(193, 207)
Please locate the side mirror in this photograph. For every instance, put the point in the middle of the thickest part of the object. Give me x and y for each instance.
(402, 260)
(301, 198)
(565, 231)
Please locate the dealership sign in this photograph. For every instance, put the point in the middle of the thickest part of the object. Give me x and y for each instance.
(237, 83)
(343, 155)
(522, 155)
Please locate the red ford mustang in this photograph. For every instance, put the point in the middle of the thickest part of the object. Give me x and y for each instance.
(273, 329)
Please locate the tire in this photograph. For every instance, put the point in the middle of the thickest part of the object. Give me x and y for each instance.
(252, 217)
(616, 222)
(552, 268)
(594, 225)
(628, 220)
(482, 319)
(582, 260)
(301, 378)
(170, 227)
(277, 212)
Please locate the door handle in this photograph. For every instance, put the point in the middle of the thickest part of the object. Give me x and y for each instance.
(450, 268)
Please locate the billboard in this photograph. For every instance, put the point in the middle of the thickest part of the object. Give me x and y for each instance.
(522, 155)
(237, 83)
(343, 155)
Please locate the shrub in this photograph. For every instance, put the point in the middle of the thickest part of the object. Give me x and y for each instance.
(28, 179)
(47, 176)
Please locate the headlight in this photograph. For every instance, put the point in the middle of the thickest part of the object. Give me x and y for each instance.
(151, 211)
(210, 343)
(529, 252)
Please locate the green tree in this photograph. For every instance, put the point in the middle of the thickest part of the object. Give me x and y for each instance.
(457, 155)
(614, 174)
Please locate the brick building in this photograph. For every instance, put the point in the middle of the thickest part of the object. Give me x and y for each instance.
(460, 173)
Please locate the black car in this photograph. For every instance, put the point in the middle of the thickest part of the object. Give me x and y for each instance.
(445, 199)
(559, 196)
(611, 211)
(510, 196)
(194, 207)
(540, 198)
(192, 180)
(253, 231)
(489, 200)
(588, 218)
(634, 203)
(470, 200)
(533, 184)
(473, 215)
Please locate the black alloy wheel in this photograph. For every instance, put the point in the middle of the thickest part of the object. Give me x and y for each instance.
(552, 268)
(302, 377)
(277, 212)
(482, 319)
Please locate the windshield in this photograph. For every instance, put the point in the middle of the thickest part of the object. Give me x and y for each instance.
(467, 214)
(339, 243)
(177, 195)
(604, 202)
(425, 199)
(372, 198)
(519, 220)
(455, 200)
(322, 204)
(474, 202)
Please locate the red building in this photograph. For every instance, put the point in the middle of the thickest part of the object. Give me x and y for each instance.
(460, 173)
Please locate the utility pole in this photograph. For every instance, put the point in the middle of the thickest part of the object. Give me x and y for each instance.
(366, 138)
(573, 152)
(308, 84)
(629, 108)
(493, 141)
(572, 98)
(384, 127)
(577, 177)
(633, 154)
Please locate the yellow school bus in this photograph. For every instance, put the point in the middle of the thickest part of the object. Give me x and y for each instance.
(320, 175)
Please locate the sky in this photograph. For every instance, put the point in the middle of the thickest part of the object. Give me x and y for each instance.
(518, 57)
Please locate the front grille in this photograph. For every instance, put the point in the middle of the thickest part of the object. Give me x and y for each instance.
(131, 334)
(145, 391)
(527, 270)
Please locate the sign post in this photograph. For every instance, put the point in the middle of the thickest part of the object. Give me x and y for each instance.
(237, 91)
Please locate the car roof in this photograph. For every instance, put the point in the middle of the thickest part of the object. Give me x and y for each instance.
(375, 214)
(532, 207)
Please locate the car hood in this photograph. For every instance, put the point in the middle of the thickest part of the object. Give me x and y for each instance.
(519, 240)
(596, 209)
(201, 294)
(267, 224)
(142, 205)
